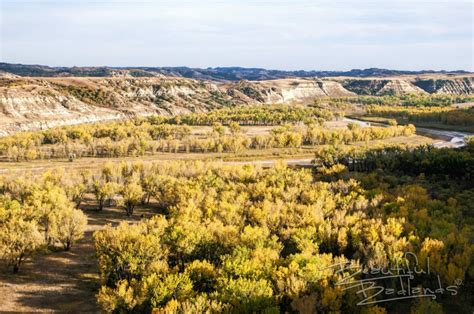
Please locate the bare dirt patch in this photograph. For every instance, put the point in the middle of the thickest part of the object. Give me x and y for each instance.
(62, 281)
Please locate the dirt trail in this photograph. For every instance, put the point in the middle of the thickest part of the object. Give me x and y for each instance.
(61, 281)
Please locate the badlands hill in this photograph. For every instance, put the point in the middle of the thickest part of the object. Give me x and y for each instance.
(213, 74)
(37, 103)
(28, 103)
(426, 84)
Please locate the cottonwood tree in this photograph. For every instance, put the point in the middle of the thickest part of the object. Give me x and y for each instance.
(132, 194)
(47, 202)
(71, 224)
(20, 237)
(104, 191)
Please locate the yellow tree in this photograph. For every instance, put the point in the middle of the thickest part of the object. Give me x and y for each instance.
(19, 236)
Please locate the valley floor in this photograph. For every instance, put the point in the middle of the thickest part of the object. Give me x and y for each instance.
(264, 156)
(67, 281)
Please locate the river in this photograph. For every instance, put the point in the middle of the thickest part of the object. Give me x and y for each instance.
(445, 138)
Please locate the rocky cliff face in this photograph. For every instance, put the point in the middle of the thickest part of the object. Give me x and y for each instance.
(406, 85)
(38, 103)
(27, 104)
(398, 87)
(463, 85)
(286, 90)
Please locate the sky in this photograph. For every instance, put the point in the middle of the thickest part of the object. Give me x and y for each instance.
(286, 35)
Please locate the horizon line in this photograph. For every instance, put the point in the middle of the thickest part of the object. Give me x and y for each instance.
(228, 67)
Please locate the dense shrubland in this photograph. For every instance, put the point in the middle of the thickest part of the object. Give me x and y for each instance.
(256, 115)
(39, 215)
(411, 100)
(247, 239)
(426, 160)
(434, 115)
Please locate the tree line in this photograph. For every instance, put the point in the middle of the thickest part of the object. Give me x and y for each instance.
(446, 116)
(410, 100)
(130, 139)
(256, 115)
(427, 160)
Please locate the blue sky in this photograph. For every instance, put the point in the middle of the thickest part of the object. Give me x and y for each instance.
(292, 35)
